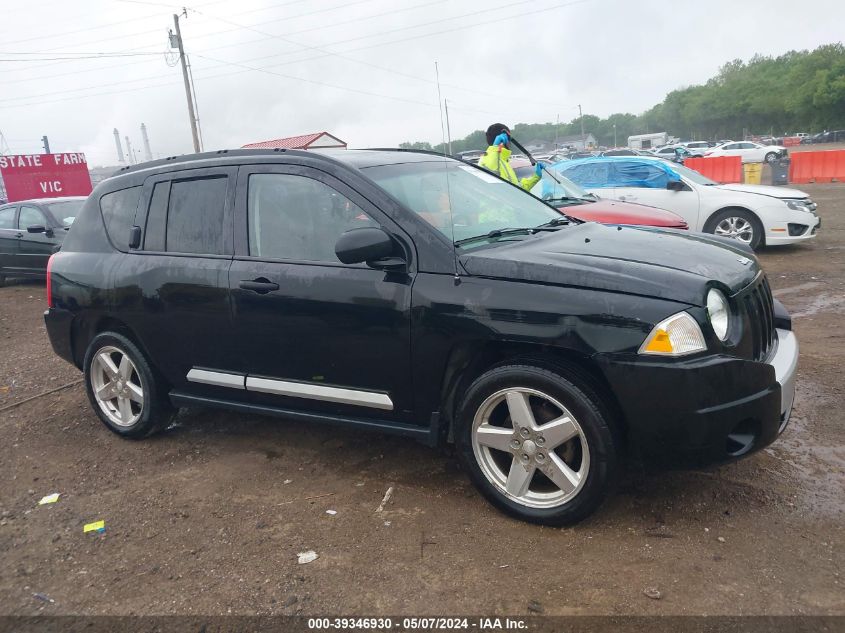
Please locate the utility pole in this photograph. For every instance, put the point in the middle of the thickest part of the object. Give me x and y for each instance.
(191, 111)
(614, 136)
(46, 142)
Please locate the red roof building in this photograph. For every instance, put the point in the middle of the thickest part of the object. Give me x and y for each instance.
(306, 141)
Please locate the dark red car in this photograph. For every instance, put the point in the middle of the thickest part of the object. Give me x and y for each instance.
(575, 202)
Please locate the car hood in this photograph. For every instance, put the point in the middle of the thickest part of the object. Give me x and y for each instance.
(616, 212)
(766, 190)
(644, 261)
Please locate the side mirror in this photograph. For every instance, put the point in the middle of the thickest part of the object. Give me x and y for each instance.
(368, 244)
(38, 228)
(675, 185)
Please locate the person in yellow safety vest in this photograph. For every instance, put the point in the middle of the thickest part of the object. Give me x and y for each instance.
(498, 154)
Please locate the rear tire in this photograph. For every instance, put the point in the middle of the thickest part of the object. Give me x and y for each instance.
(738, 224)
(537, 444)
(124, 389)
(2, 280)
(771, 157)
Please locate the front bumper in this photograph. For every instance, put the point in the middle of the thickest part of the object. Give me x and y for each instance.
(712, 409)
(789, 227)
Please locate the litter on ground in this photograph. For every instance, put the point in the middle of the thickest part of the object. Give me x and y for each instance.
(49, 499)
(96, 526)
(307, 557)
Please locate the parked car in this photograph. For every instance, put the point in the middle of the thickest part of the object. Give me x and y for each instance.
(835, 136)
(575, 202)
(676, 153)
(30, 231)
(698, 147)
(749, 152)
(754, 214)
(315, 286)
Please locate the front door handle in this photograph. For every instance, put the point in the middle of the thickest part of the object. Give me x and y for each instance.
(18, 234)
(261, 285)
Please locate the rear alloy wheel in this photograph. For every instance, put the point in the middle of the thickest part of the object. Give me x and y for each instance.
(737, 224)
(536, 444)
(123, 388)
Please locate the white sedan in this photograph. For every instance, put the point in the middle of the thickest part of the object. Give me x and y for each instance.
(748, 151)
(754, 214)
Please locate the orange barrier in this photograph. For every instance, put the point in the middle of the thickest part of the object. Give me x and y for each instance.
(722, 169)
(791, 141)
(820, 166)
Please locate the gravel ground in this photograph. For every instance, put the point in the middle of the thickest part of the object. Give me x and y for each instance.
(209, 517)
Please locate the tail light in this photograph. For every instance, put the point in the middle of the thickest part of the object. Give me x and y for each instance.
(50, 280)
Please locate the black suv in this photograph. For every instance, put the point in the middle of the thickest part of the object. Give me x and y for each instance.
(415, 294)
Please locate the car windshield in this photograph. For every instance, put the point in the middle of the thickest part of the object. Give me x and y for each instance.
(65, 212)
(551, 191)
(461, 201)
(691, 174)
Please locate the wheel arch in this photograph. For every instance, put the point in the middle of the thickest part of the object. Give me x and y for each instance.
(84, 331)
(467, 365)
(707, 227)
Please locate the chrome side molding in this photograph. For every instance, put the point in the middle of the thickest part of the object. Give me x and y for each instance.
(217, 378)
(320, 392)
(307, 390)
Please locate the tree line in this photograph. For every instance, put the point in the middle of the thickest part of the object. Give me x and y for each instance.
(800, 91)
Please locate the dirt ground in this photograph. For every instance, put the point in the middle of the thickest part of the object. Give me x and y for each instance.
(208, 518)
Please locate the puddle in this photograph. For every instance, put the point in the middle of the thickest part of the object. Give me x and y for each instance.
(818, 469)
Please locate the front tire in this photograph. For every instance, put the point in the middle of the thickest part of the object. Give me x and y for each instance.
(124, 389)
(537, 443)
(738, 224)
(771, 157)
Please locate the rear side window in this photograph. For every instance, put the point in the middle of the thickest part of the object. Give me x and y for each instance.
(118, 209)
(195, 216)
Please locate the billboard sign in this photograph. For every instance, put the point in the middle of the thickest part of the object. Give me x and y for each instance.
(29, 176)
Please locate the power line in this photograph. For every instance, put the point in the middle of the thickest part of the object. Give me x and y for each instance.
(265, 68)
(81, 56)
(216, 48)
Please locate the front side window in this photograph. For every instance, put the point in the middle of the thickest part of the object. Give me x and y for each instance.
(118, 209)
(30, 216)
(7, 218)
(298, 218)
(195, 216)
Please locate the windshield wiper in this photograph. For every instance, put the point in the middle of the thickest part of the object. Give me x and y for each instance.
(495, 233)
(567, 199)
(554, 223)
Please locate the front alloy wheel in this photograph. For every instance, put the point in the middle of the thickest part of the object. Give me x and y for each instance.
(736, 228)
(538, 442)
(530, 447)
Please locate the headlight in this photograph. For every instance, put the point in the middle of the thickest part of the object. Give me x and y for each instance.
(676, 336)
(717, 310)
(798, 205)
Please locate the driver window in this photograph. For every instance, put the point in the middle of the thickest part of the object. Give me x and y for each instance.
(30, 216)
(298, 218)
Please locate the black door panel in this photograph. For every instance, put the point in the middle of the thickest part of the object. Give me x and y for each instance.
(329, 337)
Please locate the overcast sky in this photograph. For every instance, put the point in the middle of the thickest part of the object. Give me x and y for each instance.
(364, 69)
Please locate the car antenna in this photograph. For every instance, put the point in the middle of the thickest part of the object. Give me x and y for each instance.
(533, 160)
(446, 173)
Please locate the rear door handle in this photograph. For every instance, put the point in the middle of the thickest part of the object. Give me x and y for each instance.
(261, 285)
(18, 234)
